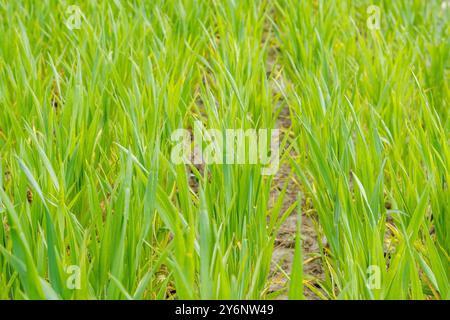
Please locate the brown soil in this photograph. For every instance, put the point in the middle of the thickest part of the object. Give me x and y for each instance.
(283, 252)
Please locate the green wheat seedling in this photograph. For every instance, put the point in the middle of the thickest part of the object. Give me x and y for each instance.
(92, 207)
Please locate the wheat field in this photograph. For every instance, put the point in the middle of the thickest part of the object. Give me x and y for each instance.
(356, 204)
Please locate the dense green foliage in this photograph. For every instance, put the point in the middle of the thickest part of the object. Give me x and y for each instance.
(86, 117)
